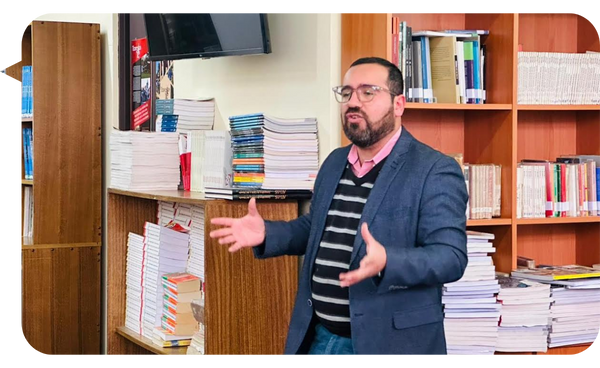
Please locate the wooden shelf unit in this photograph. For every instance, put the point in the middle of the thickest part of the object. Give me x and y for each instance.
(61, 291)
(248, 302)
(503, 132)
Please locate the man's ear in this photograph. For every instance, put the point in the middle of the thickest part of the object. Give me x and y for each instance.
(399, 105)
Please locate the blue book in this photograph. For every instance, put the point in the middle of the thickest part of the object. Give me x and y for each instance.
(598, 188)
(476, 71)
(165, 107)
(25, 153)
(424, 56)
(246, 116)
(23, 90)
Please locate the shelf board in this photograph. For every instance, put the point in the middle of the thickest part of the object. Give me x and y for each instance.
(27, 244)
(147, 344)
(26, 182)
(559, 220)
(559, 107)
(27, 120)
(446, 106)
(489, 222)
(179, 196)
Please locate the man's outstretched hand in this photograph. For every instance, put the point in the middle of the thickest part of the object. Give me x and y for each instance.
(248, 231)
(372, 263)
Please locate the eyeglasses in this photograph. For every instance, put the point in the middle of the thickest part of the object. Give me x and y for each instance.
(365, 92)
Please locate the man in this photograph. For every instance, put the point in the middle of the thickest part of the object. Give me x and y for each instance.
(385, 231)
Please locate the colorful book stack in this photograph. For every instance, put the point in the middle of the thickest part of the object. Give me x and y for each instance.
(247, 143)
(184, 115)
(27, 92)
(28, 153)
(179, 291)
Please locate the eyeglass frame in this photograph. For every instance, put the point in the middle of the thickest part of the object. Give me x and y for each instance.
(337, 92)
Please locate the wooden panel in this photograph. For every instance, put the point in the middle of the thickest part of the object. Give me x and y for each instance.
(548, 32)
(546, 135)
(365, 35)
(61, 300)
(566, 350)
(587, 36)
(179, 196)
(26, 46)
(15, 71)
(553, 245)
(249, 302)
(442, 130)
(449, 106)
(501, 58)
(588, 244)
(588, 132)
(433, 22)
(67, 165)
(125, 215)
(488, 140)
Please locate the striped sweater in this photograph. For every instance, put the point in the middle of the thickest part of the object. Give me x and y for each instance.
(331, 302)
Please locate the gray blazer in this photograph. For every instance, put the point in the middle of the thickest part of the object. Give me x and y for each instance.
(416, 210)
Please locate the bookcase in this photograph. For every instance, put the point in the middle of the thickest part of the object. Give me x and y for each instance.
(500, 131)
(61, 278)
(248, 302)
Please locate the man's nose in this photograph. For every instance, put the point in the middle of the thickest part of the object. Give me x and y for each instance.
(354, 101)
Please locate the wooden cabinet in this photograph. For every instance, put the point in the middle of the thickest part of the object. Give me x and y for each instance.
(61, 262)
(248, 303)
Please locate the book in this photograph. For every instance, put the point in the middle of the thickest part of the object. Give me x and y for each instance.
(552, 273)
(444, 69)
(525, 262)
(181, 281)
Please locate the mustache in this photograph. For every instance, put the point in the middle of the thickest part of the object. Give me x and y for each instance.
(354, 110)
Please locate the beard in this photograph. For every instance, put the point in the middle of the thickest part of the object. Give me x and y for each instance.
(372, 133)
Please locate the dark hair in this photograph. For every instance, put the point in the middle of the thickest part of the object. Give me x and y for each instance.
(394, 82)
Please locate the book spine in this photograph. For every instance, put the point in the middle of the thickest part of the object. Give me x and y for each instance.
(469, 69)
(549, 190)
(409, 65)
(476, 79)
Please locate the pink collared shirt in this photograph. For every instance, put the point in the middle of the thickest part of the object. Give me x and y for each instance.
(362, 170)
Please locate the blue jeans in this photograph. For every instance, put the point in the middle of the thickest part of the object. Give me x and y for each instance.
(327, 343)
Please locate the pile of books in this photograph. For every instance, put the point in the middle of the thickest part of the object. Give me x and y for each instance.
(136, 249)
(525, 315)
(179, 291)
(247, 144)
(216, 163)
(144, 160)
(28, 153)
(246, 194)
(484, 184)
(184, 115)
(197, 345)
(471, 311)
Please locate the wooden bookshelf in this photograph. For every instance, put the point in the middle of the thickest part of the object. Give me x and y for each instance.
(61, 298)
(147, 344)
(248, 302)
(503, 132)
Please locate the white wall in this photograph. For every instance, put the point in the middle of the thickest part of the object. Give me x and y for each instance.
(295, 80)
(110, 109)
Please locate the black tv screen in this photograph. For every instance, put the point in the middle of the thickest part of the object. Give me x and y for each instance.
(182, 36)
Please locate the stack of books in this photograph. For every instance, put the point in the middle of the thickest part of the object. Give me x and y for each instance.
(166, 252)
(575, 310)
(247, 144)
(525, 315)
(197, 345)
(216, 164)
(179, 291)
(144, 160)
(291, 153)
(484, 184)
(27, 92)
(246, 194)
(165, 339)
(134, 301)
(184, 115)
(471, 311)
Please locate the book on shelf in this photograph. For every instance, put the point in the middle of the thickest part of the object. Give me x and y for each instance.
(27, 91)
(548, 273)
(28, 212)
(246, 194)
(185, 115)
(525, 262)
(484, 183)
(28, 153)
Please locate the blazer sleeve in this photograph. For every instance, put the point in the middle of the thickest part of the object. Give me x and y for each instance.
(440, 255)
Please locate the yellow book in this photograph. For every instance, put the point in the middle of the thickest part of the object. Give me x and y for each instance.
(444, 72)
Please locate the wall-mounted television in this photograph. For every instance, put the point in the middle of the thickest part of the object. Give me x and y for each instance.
(183, 36)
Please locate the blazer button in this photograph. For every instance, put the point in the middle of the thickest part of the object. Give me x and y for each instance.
(309, 302)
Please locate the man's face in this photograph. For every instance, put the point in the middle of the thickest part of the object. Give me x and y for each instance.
(366, 123)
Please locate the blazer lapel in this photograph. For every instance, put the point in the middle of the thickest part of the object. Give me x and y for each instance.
(327, 190)
(386, 176)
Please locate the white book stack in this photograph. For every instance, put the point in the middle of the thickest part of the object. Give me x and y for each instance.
(197, 345)
(166, 252)
(291, 153)
(216, 167)
(144, 160)
(134, 282)
(189, 114)
(28, 213)
(189, 217)
(525, 315)
(471, 311)
(546, 78)
(196, 260)
(196, 142)
(575, 316)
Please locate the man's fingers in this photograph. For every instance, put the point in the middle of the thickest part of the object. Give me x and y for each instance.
(221, 232)
(235, 247)
(252, 210)
(353, 277)
(227, 240)
(224, 221)
(366, 235)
